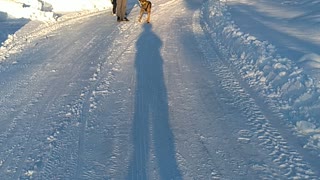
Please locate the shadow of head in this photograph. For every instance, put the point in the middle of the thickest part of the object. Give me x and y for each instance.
(149, 40)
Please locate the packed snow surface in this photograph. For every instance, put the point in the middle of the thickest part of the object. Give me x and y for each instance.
(210, 89)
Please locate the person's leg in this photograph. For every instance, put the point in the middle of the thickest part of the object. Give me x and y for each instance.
(124, 9)
(119, 10)
(114, 9)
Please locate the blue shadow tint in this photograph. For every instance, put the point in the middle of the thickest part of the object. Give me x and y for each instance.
(151, 116)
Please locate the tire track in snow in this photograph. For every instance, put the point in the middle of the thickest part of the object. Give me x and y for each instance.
(289, 162)
(101, 81)
(78, 111)
(73, 123)
(122, 48)
(76, 117)
(14, 141)
(47, 148)
(194, 159)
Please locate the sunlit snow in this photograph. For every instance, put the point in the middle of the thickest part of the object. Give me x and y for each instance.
(259, 53)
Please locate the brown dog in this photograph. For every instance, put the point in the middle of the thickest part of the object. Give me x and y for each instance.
(145, 8)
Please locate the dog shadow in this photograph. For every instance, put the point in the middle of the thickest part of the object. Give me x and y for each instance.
(151, 128)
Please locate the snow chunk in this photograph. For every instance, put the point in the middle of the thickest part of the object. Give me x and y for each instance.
(29, 173)
(310, 60)
(69, 114)
(51, 138)
(313, 142)
(306, 127)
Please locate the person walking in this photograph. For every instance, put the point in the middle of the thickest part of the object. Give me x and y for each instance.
(121, 10)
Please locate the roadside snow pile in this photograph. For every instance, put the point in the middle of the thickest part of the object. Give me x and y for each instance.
(77, 5)
(295, 94)
(19, 9)
(17, 13)
(310, 130)
(45, 10)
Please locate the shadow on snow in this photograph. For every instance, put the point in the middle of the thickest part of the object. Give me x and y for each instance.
(9, 26)
(151, 116)
(292, 46)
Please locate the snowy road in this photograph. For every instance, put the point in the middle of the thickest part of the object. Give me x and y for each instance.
(98, 99)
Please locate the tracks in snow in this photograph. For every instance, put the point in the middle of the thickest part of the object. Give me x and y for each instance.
(285, 160)
(85, 132)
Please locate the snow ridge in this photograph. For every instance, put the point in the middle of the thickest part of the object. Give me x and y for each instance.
(32, 31)
(290, 164)
(295, 94)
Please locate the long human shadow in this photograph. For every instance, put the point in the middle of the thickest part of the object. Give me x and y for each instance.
(151, 116)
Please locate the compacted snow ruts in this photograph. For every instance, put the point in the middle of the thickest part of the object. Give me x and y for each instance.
(91, 98)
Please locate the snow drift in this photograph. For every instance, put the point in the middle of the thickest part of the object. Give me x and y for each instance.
(289, 89)
(45, 10)
(15, 14)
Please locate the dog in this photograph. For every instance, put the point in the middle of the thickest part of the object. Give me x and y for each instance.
(145, 6)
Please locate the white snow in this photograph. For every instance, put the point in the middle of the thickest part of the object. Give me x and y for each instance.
(269, 53)
(45, 9)
(293, 84)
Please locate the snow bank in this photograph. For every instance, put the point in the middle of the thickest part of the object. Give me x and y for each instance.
(29, 10)
(45, 10)
(310, 130)
(294, 93)
(76, 5)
